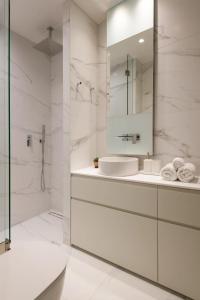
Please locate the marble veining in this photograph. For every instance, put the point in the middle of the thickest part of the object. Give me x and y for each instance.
(36, 99)
(101, 124)
(57, 134)
(83, 97)
(177, 102)
(177, 92)
(30, 109)
(75, 144)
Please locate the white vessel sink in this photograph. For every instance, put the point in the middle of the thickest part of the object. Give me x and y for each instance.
(118, 166)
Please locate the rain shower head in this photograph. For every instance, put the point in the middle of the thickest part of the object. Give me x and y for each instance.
(49, 46)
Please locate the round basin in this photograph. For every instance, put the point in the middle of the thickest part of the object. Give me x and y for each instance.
(118, 166)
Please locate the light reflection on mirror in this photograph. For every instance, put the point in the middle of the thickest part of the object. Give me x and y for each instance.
(131, 75)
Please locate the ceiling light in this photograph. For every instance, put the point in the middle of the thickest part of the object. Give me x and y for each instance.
(141, 41)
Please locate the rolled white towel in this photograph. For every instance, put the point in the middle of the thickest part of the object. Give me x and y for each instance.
(187, 172)
(168, 172)
(178, 162)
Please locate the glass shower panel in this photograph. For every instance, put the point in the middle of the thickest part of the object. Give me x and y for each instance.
(4, 123)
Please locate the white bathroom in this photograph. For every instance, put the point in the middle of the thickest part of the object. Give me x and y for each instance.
(99, 150)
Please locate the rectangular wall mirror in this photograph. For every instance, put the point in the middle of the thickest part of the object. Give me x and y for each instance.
(130, 44)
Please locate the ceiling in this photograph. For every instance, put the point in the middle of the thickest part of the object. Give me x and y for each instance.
(130, 46)
(30, 18)
(97, 9)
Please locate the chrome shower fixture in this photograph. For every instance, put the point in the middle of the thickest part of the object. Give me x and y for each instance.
(48, 45)
(91, 94)
(77, 85)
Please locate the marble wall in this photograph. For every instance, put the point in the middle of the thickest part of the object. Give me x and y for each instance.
(177, 90)
(30, 109)
(56, 132)
(101, 124)
(83, 87)
(88, 101)
(84, 59)
(66, 108)
(177, 102)
(36, 99)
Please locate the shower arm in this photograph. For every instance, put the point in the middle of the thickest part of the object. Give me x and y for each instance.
(50, 30)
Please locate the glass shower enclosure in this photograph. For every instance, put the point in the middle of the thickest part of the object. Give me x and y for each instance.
(4, 125)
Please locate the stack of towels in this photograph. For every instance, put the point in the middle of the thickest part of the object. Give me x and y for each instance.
(178, 170)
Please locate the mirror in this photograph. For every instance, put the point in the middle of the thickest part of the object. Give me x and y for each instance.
(130, 83)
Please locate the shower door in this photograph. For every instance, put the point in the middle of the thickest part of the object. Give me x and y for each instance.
(4, 125)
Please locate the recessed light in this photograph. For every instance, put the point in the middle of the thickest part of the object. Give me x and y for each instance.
(141, 41)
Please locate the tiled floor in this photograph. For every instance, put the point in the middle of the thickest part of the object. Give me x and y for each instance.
(88, 278)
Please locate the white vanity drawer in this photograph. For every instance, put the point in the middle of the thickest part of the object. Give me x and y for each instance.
(179, 259)
(179, 206)
(138, 198)
(127, 240)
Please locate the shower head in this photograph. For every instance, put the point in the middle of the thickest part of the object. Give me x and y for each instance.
(49, 46)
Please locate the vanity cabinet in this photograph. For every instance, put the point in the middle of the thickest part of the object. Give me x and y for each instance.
(114, 220)
(151, 230)
(179, 259)
(122, 238)
(179, 240)
(138, 198)
(179, 206)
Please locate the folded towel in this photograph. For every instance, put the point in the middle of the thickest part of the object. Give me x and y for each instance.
(168, 172)
(186, 173)
(178, 162)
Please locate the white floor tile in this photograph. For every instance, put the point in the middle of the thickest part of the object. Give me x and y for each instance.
(123, 286)
(84, 275)
(42, 227)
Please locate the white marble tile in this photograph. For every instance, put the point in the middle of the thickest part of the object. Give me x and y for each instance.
(30, 109)
(57, 132)
(83, 68)
(85, 275)
(30, 70)
(36, 99)
(177, 103)
(123, 286)
(46, 226)
(102, 91)
(88, 278)
(173, 24)
(66, 120)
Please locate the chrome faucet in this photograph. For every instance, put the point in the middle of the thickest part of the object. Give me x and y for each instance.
(134, 138)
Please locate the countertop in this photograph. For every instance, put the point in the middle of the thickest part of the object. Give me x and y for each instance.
(140, 178)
